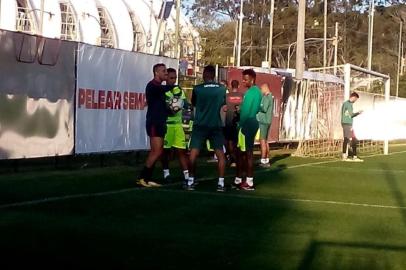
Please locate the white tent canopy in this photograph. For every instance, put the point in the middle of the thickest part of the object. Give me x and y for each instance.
(119, 23)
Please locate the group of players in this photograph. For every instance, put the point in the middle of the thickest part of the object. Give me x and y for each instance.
(227, 120)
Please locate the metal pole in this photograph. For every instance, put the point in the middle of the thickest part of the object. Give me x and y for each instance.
(290, 46)
(235, 42)
(399, 57)
(161, 18)
(402, 64)
(371, 32)
(270, 43)
(300, 48)
(325, 36)
(347, 81)
(336, 50)
(177, 29)
(240, 34)
(387, 99)
(41, 25)
(266, 52)
(195, 59)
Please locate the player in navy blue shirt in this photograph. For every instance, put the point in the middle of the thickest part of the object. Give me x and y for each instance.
(155, 123)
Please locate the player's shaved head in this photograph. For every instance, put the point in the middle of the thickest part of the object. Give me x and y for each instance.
(209, 73)
(248, 77)
(235, 84)
(172, 77)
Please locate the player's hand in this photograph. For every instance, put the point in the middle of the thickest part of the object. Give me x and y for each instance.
(225, 108)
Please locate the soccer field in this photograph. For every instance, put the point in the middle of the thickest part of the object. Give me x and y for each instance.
(305, 214)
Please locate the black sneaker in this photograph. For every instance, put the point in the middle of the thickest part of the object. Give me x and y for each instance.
(221, 188)
(236, 186)
(265, 165)
(188, 187)
(168, 180)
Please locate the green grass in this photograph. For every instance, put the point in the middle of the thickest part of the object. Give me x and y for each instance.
(298, 218)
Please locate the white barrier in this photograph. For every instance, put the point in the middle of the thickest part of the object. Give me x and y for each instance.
(110, 99)
(36, 96)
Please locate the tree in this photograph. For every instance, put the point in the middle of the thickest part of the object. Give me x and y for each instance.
(352, 16)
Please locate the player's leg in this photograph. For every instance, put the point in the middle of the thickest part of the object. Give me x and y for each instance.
(249, 131)
(228, 143)
(179, 144)
(347, 135)
(197, 140)
(233, 145)
(194, 154)
(168, 141)
(183, 161)
(217, 141)
(345, 148)
(221, 169)
(156, 151)
(156, 134)
(240, 158)
(263, 139)
(354, 144)
(267, 152)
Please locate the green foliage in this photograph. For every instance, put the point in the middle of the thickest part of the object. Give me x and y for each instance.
(217, 27)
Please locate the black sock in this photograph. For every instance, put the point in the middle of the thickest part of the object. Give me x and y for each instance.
(146, 173)
(354, 147)
(345, 144)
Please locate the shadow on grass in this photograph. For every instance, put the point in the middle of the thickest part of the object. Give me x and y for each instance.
(155, 229)
(346, 255)
(277, 158)
(395, 190)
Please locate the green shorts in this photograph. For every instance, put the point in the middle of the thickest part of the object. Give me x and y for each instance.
(175, 137)
(264, 131)
(201, 134)
(246, 136)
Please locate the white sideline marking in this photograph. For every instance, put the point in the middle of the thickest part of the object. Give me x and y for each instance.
(358, 169)
(288, 199)
(106, 193)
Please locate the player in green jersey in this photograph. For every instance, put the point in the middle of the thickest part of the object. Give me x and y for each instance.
(248, 127)
(175, 135)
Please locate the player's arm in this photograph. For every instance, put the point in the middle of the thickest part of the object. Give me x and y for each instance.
(149, 93)
(245, 107)
(271, 105)
(167, 88)
(356, 114)
(344, 111)
(193, 97)
(265, 103)
(224, 107)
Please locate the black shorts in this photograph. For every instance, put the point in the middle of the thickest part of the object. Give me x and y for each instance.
(201, 134)
(231, 133)
(156, 129)
(347, 130)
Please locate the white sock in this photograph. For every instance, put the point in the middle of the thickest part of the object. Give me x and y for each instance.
(166, 173)
(221, 181)
(266, 160)
(237, 180)
(250, 181)
(190, 181)
(186, 174)
(263, 160)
